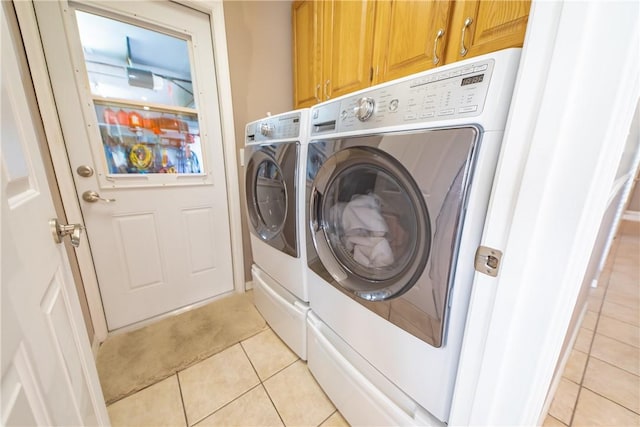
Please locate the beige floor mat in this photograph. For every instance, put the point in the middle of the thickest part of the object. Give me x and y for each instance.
(132, 361)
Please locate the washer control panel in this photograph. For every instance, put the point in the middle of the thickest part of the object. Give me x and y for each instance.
(429, 96)
(283, 126)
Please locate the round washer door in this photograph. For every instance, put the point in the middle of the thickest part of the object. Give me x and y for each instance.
(267, 200)
(370, 224)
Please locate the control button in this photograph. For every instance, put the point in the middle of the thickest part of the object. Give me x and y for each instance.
(364, 108)
(427, 115)
(480, 68)
(343, 115)
(467, 70)
(267, 129)
(393, 105)
(446, 112)
(468, 109)
(410, 116)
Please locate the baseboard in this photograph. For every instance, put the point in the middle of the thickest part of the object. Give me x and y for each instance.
(631, 216)
(248, 285)
(630, 224)
(563, 359)
(95, 346)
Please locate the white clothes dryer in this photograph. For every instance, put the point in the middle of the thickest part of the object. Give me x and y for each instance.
(398, 182)
(274, 174)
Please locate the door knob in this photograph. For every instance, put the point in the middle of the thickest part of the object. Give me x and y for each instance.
(60, 230)
(92, 197)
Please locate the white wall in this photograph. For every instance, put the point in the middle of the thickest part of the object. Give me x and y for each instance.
(259, 45)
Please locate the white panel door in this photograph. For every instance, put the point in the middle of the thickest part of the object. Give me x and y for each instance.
(136, 93)
(48, 373)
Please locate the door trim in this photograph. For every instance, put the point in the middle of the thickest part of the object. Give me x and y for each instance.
(64, 178)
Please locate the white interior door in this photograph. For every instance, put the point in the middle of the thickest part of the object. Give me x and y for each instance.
(135, 89)
(48, 373)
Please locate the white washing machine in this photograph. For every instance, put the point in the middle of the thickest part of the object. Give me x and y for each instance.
(399, 179)
(274, 176)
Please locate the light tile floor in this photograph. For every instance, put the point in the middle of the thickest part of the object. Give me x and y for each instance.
(258, 382)
(601, 382)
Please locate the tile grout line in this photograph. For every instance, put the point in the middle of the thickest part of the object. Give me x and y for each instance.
(133, 393)
(595, 328)
(228, 403)
(235, 398)
(619, 320)
(556, 418)
(298, 359)
(612, 401)
(273, 403)
(272, 375)
(262, 382)
(184, 409)
(330, 415)
(613, 253)
(614, 366)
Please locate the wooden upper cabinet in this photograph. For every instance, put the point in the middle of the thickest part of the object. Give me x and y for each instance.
(340, 46)
(488, 26)
(332, 48)
(410, 37)
(307, 37)
(347, 46)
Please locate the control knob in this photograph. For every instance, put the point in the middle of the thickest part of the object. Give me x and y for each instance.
(364, 108)
(266, 129)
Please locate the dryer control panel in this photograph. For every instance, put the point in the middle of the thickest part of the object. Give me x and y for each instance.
(429, 96)
(282, 126)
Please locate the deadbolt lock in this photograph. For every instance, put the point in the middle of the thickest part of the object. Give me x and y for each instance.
(85, 171)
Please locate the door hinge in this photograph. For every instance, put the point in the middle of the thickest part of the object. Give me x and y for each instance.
(488, 261)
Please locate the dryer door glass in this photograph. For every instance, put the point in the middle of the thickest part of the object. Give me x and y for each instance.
(375, 228)
(266, 196)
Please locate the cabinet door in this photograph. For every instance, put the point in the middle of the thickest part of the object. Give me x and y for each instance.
(307, 44)
(407, 37)
(347, 46)
(488, 26)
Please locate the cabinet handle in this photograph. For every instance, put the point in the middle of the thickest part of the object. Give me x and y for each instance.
(315, 94)
(326, 86)
(467, 22)
(439, 35)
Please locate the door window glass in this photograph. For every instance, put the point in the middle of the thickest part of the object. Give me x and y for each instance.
(271, 197)
(142, 89)
(371, 223)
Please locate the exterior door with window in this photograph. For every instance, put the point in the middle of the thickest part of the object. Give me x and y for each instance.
(135, 88)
